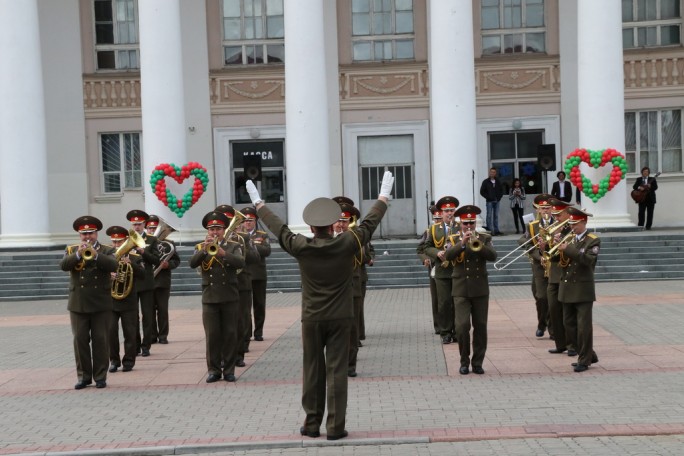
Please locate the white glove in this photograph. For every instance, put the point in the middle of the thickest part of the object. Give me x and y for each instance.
(387, 184)
(253, 192)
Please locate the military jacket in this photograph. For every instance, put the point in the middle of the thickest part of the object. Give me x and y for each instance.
(262, 244)
(163, 278)
(219, 274)
(535, 255)
(438, 240)
(89, 281)
(555, 268)
(469, 276)
(150, 258)
(368, 256)
(130, 302)
(252, 257)
(326, 263)
(577, 278)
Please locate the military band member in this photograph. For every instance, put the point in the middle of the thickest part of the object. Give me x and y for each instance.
(257, 272)
(540, 282)
(577, 291)
(89, 264)
(435, 247)
(219, 261)
(562, 340)
(430, 264)
(368, 260)
(326, 263)
(168, 261)
(150, 256)
(125, 307)
(469, 253)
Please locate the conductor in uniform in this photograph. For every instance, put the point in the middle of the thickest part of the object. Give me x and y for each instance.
(89, 264)
(577, 291)
(469, 253)
(326, 264)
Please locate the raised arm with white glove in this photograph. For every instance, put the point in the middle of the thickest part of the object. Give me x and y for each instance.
(253, 193)
(386, 186)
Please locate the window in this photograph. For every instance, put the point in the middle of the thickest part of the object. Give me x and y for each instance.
(649, 23)
(513, 27)
(382, 30)
(654, 139)
(253, 32)
(514, 154)
(116, 34)
(121, 163)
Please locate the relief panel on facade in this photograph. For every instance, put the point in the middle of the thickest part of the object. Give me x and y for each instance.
(389, 84)
(239, 90)
(522, 79)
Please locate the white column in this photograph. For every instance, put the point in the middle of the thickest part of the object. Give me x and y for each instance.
(600, 101)
(452, 100)
(162, 97)
(23, 153)
(307, 107)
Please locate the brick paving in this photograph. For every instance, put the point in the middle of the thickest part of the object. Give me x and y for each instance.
(408, 398)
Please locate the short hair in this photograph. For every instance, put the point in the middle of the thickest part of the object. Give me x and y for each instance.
(559, 173)
(645, 168)
(321, 229)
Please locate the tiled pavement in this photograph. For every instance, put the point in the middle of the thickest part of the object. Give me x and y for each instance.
(408, 398)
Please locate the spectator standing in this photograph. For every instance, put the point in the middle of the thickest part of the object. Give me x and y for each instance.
(492, 191)
(562, 189)
(517, 197)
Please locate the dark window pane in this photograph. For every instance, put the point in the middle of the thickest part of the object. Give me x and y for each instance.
(669, 35)
(105, 60)
(104, 34)
(276, 27)
(513, 43)
(669, 9)
(491, 45)
(528, 143)
(233, 55)
(530, 176)
(241, 195)
(255, 54)
(112, 183)
(627, 11)
(276, 53)
(502, 145)
(535, 42)
(111, 158)
(103, 11)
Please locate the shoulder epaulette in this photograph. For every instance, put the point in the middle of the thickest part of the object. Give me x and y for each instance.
(591, 235)
(261, 232)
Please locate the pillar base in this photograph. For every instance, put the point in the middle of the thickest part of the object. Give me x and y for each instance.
(30, 240)
(608, 221)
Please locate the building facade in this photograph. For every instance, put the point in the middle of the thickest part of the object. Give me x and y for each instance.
(319, 98)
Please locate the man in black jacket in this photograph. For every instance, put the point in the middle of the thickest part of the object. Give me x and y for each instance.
(492, 191)
(648, 185)
(562, 189)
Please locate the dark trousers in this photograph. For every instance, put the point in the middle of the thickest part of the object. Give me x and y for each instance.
(259, 306)
(149, 318)
(581, 313)
(540, 285)
(87, 329)
(161, 311)
(244, 323)
(646, 211)
(362, 320)
(445, 306)
(326, 354)
(354, 335)
(220, 322)
(129, 325)
(556, 317)
(465, 311)
(518, 217)
(435, 305)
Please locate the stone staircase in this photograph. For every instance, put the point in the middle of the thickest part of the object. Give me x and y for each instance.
(34, 275)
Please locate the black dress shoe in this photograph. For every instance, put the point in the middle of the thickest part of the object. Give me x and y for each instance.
(153, 341)
(145, 351)
(594, 358)
(100, 384)
(211, 378)
(446, 340)
(229, 377)
(82, 384)
(163, 340)
(312, 434)
(113, 368)
(127, 368)
(351, 373)
(478, 370)
(338, 436)
(240, 363)
(581, 367)
(463, 370)
(360, 344)
(572, 352)
(539, 333)
(259, 338)
(556, 350)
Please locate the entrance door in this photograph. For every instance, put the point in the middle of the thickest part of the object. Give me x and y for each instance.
(378, 154)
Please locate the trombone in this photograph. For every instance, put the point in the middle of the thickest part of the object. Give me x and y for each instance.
(546, 234)
(553, 251)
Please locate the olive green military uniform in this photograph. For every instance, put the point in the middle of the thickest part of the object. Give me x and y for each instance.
(90, 309)
(577, 293)
(368, 258)
(470, 292)
(259, 281)
(437, 241)
(420, 250)
(540, 282)
(326, 265)
(244, 279)
(220, 305)
(562, 338)
(162, 293)
(126, 311)
(145, 287)
(356, 304)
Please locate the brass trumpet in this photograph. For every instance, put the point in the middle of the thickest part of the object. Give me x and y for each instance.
(475, 243)
(238, 218)
(88, 253)
(553, 251)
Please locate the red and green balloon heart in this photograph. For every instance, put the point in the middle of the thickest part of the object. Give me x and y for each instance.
(595, 159)
(179, 174)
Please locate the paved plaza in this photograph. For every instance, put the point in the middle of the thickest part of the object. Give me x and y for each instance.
(408, 399)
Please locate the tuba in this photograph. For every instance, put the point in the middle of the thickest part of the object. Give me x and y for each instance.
(123, 280)
(166, 249)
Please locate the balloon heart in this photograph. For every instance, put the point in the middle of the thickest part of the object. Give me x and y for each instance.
(179, 174)
(595, 159)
